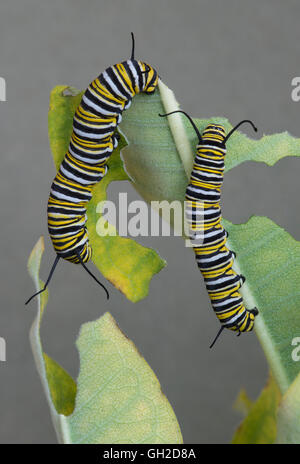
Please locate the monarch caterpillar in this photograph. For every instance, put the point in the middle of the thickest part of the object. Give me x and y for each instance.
(208, 236)
(92, 141)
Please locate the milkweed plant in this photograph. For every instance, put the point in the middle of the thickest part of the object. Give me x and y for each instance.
(158, 156)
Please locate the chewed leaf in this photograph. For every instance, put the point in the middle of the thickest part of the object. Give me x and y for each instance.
(118, 398)
(124, 262)
(159, 158)
(267, 149)
(160, 152)
(259, 427)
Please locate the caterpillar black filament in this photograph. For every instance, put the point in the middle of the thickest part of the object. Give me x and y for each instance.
(93, 139)
(208, 236)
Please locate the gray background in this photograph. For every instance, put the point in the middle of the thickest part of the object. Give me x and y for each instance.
(232, 58)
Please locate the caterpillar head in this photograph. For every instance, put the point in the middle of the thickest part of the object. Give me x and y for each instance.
(150, 77)
(252, 313)
(247, 324)
(214, 133)
(147, 76)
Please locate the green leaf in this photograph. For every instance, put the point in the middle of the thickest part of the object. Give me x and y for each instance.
(62, 387)
(267, 255)
(259, 427)
(288, 425)
(118, 397)
(116, 381)
(151, 158)
(126, 264)
(52, 393)
(159, 159)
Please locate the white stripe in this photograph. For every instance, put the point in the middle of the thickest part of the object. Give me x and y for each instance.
(91, 152)
(230, 301)
(84, 240)
(107, 153)
(206, 174)
(214, 258)
(61, 235)
(78, 178)
(99, 109)
(198, 190)
(234, 318)
(103, 100)
(213, 147)
(213, 233)
(134, 72)
(96, 125)
(199, 158)
(89, 160)
(63, 216)
(61, 196)
(113, 86)
(202, 211)
(115, 71)
(91, 135)
(81, 171)
(128, 104)
(221, 280)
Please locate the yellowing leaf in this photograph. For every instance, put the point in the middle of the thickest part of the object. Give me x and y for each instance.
(243, 403)
(288, 428)
(259, 427)
(61, 385)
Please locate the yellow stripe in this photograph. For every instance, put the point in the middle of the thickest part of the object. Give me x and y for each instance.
(229, 314)
(95, 167)
(216, 273)
(205, 185)
(125, 77)
(91, 117)
(64, 181)
(202, 152)
(97, 84)
(55, 202)
(91, 143)
(212, 171)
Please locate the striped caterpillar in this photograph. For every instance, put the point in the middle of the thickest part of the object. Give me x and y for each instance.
(208, 236)
(93, 139)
